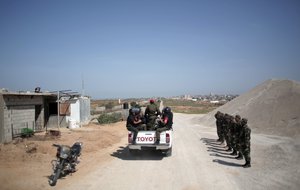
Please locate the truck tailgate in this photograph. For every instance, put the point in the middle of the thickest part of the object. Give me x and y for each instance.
(148, 137)
(145, 137)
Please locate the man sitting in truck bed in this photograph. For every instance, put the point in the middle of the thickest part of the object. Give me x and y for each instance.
(151, 113)
(135, 122)
(165, 123)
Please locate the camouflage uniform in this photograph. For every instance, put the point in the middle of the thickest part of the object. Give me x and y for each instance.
(245, 137)
(226, 127)
(232, 135)
(238, 130)
(151, 114)
(219, 118)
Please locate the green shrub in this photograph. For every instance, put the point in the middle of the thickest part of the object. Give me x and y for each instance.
(109, 118)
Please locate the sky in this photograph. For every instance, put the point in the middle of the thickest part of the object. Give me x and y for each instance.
(148, 48)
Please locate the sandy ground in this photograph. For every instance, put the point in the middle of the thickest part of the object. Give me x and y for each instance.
(25, 163)
(198, 161)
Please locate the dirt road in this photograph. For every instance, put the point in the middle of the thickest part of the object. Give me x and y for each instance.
(197, 162)
(190, 166)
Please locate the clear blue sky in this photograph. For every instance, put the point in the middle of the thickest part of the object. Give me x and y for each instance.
(146, 48)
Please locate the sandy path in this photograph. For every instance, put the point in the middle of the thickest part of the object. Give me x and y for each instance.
(198, 162)
(190, 166)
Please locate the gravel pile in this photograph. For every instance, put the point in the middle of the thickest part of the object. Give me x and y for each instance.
(272, 107)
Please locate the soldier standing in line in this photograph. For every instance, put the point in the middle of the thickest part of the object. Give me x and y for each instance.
(245, 137)
(218, 117)
(237, 134)
(224, 126)
(227, 131)
(221, 116)
(233, 137)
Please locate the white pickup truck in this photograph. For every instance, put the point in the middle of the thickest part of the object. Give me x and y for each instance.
(146, 141)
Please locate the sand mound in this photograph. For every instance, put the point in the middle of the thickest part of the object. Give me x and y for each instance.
(272, 107)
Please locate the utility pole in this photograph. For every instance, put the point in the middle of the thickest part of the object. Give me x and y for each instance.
(82, 84)
(58, 110)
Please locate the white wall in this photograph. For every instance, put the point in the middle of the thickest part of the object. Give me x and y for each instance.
(74, 112)
(80, 110)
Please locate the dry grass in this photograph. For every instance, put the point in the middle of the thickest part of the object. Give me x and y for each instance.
(190, 107)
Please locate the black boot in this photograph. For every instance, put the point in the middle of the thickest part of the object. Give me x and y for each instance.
(247, 164)
(240, 156)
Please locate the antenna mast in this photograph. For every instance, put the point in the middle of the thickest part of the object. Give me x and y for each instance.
(82, 84)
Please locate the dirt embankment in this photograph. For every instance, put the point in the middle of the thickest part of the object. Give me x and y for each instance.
(25, 163)
(272, 107)
(273, 112)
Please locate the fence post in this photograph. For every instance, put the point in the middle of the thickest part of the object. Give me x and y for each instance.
(12, 131)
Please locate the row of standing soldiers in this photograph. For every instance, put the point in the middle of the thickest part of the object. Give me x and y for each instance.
(235, 132)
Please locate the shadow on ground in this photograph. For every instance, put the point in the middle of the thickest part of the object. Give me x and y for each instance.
(123, 153)
(227, 163)
(218, 150)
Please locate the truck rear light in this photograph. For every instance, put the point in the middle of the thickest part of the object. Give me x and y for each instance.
(167, 138)
(130, 137)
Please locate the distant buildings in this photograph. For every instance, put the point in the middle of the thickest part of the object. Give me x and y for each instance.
(212, 98)
(187, 97)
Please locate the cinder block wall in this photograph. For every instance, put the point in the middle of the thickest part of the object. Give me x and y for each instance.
(18, 111)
